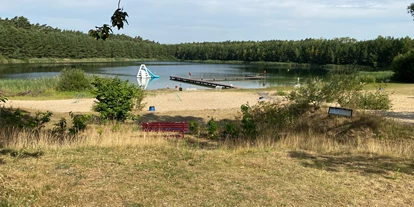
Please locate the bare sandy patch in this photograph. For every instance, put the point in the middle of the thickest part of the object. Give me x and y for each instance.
(162, 102)
(205, 104)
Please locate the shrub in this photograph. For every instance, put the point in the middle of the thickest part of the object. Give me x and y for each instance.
(281, 93)
(115, 98)
(60, 127)
(231, 130)
(268, 115)
(3, 99)
(312, 93)
(378, 100)
(248, 121)
(212, 128)
(375, 76)
(21, 119)
(79, 122)
(73, 80)
(367, 78)
(194, 127)
(344, 89)
(403, 66)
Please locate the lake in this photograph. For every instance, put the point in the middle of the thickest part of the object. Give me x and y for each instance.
(275, 74)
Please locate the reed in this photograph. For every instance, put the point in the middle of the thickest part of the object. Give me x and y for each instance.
(33, 87)
(43, 88)
(375, 76)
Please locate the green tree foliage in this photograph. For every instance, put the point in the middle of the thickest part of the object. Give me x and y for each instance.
(212, 128)
(117, 20)
(23, 120)
(410, 9)
(344, 89)
(403, 67)
(115, 98)
(19, 39)
(377, 53)
(73, 80)
(79, 122)
(248, 121)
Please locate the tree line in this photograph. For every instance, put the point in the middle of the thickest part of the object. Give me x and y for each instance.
(19, 39)
(376, 53)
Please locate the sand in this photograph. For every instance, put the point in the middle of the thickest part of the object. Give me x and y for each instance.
(172, 101)
(201, 103)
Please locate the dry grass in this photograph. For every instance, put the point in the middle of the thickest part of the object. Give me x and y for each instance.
(117, 165)
(325, 145)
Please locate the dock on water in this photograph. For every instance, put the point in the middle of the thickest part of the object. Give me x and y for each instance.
(202, 82)
(211, 82)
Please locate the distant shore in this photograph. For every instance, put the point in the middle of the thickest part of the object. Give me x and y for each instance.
(67, 60)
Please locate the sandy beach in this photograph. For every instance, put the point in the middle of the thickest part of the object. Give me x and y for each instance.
(201, 103)
(162, 102)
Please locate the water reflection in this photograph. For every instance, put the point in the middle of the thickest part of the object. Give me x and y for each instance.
(275, 74)
(145, 82)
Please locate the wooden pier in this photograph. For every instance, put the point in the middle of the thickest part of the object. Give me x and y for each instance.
(204, 82)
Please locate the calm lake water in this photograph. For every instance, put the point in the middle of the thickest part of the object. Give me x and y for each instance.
(276, 75)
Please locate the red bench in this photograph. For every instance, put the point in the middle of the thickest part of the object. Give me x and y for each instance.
(165, 127)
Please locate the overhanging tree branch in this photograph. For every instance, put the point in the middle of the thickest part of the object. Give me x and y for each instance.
(117, 20)
(410, 9)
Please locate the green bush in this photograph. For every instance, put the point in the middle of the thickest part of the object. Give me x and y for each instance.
(312, 93)
(268, 115)
(212, 128)
(73, 80)
(23, 120)
(231, 130)
(3, 99)
(367, 78)
(194, 127)
(281, 93)
(60, 127)
(79, 122)
(248, 121)
(378, 100)
(115, 98)
(374, 76)
(403, 66)
(344, 89)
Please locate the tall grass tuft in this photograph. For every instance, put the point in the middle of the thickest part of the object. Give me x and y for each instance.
(323, 144)
(375, 76)
(28, 87)
(111, 135)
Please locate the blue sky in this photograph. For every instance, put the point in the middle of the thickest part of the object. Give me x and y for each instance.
(178, 21)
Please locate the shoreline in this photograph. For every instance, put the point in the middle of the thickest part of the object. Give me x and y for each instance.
(200, 103)
(68, 60)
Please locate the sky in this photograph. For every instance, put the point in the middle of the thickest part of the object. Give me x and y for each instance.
(182, 21)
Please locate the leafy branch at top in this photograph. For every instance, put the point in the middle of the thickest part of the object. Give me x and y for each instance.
(117, 19)
(410, 9)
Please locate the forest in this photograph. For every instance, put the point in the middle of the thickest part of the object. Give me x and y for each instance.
(19, 39)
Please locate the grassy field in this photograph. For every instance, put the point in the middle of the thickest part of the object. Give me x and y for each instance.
(118, 165)
(136, 169)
